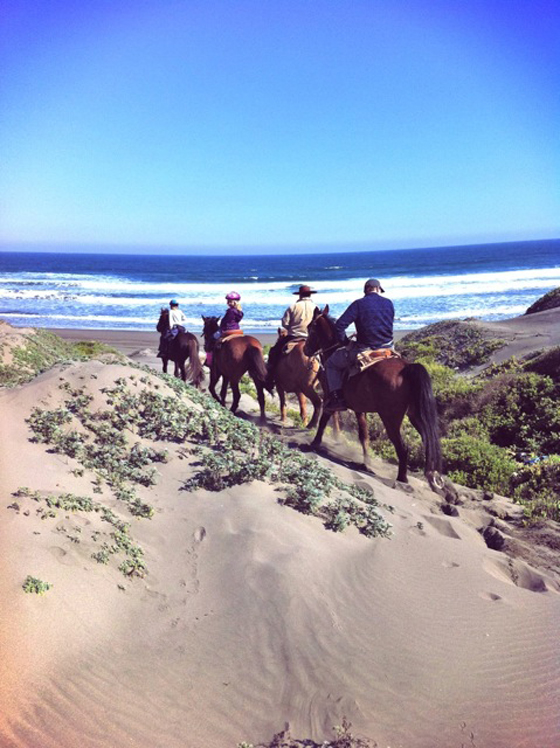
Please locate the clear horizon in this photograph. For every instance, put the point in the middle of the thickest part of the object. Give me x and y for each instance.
(279, 127)
(224, 251)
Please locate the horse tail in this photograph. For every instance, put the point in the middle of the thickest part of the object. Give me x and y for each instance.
(257, 366)
(423, 414)
(197, 372)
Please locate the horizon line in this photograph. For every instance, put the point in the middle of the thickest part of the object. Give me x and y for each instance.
(244, 250)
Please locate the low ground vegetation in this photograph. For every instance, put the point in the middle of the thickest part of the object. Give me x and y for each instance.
(500, 429)
(458, 345)
(115, 445)
(39, 351)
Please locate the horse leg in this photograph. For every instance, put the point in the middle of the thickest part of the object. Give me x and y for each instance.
(214, 376)
(164, 362)
(223, 391)
(363, 435)
(393, 429)
(282, 397)
(336, 426)
(302, 407)
(316, 401)
(180, 369)
(260, 398)
(322, 425)
(236, 395)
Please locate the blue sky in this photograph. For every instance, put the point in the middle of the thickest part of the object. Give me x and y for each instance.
(318, 123)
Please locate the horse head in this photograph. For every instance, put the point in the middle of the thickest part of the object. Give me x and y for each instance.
(163, 324)
(210, 326)
(320, 333)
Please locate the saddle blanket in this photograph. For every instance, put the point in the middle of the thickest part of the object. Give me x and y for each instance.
(369, 357)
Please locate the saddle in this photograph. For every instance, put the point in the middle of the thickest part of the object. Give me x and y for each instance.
(230, 334)
(290, 345)
(370, 357)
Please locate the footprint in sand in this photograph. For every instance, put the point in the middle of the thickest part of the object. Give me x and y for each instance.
(61, 555)
(404, 487)
(489, 596)
(450, 565)
(443, 526)
(517, 573)
(199, 534)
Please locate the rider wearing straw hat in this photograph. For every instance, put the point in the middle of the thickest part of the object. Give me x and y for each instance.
(297, 318)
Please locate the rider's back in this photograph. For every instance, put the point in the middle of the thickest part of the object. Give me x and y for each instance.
(373, 317)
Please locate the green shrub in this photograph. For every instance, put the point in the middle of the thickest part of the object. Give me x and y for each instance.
(455, 395)
(478, 464)
(521, 411)
(537, 488)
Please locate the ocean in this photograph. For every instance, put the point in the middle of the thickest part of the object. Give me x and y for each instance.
(126, 291)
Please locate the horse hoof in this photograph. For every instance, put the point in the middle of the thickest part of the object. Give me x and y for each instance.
(436, 481)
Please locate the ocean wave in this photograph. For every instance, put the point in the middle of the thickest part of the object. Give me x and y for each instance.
(340, 290)
(209, 297)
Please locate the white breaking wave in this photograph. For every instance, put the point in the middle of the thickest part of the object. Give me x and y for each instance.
(47, 285)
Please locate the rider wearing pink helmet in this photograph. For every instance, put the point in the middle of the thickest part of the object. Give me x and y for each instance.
(233, 316)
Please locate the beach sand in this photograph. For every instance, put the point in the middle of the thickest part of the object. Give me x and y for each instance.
(253, 616)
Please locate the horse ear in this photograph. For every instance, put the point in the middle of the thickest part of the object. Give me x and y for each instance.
(326, 309)
(316, 313)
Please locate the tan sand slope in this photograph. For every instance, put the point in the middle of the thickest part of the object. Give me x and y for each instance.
(253, 615)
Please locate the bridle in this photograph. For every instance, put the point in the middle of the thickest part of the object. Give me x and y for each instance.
(320, 353)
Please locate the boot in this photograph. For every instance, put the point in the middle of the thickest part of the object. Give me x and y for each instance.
(335, 402)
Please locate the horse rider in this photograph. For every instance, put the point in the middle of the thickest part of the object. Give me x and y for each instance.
(234, 314)
(295, 322)
(373, 317)
(176, 322)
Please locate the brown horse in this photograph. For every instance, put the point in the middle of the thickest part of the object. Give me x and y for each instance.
(230, 360)
(298, 373)
(391, 388)
(184, 346)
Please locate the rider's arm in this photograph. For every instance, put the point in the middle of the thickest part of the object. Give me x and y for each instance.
(286, 319)
(349, 316)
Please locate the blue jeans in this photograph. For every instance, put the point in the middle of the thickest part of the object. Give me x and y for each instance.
(339, 363)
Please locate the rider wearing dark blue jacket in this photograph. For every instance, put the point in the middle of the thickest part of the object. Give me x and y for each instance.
(373, 317)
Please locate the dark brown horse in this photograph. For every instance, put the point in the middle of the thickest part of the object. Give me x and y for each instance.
(298, 373)
(183, 347)
(391, 388)
(230, 360)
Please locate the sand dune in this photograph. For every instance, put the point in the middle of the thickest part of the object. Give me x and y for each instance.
(253, 615)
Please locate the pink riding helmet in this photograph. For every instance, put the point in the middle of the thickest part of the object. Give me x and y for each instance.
(233, 296)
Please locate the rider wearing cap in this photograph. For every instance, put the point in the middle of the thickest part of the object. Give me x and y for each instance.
(177, 317)
(176, 320)
(373, 317)
(297, 318)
